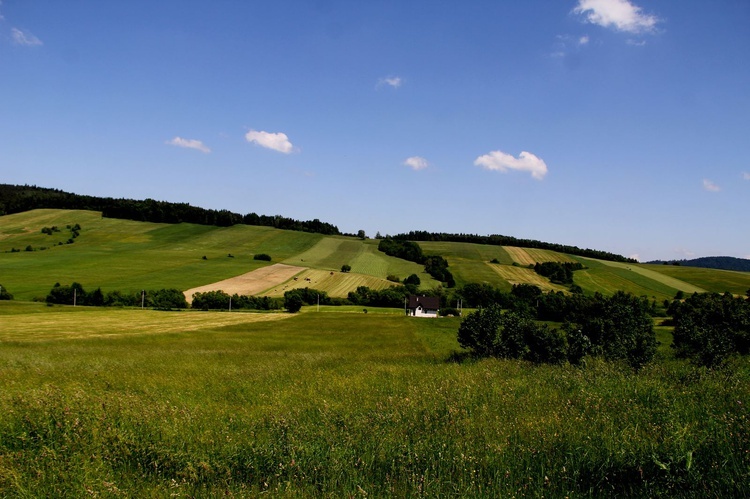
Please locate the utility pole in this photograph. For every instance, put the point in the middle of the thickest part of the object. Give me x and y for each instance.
(143, 298)
(75, 295)
(230, 303)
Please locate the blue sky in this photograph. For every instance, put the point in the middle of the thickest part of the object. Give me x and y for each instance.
(610, 124)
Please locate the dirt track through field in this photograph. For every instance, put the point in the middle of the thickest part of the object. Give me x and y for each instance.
(251, 283)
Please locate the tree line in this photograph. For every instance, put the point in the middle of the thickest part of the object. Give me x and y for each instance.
(17, 199)
(435, 265)
(500, 240)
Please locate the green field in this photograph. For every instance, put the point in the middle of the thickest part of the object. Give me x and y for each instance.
(130, 256)
(717, 281)
(133, 403)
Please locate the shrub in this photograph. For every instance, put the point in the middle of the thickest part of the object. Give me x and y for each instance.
(292, 301)
(346, 268)
(262, 256)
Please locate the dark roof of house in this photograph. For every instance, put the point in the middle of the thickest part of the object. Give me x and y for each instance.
(428, 302)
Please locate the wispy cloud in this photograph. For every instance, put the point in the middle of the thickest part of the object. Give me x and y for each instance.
(416, 163)
(584, 40)
(24, 38)
(391, 81)
(710, 186)
(620, 15)
(189, 144)
(500, 161)
(276, 141)
(745, 176)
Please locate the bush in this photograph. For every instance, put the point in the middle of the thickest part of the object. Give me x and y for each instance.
(4, 295)
(262, 256)
(346, 268)
(292, 301)
(710, 327)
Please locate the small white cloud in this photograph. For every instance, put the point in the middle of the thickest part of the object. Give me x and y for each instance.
(189, 144)
(636, 257)
(636, 43)
(745, 176)
(500, 161)
(391, 81)
(25, 39)
(618, 14)
(276, 141)
(710, 186)
(584, 40)
(416, 163)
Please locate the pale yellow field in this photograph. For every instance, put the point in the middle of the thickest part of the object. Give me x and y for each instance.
(336, 284)
(530, 256)
(520, 275)
(69, 323)
(251, 283)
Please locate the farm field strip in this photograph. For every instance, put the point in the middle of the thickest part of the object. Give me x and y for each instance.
(520, 275)
(336, 284)
(251, 283)
(70, 323)
(672, 282)
(714, 280)
(530, 256)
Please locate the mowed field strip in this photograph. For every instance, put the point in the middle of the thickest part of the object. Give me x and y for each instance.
(520, 275)
(69, 323)
(250, 283)
(336, 284)
(530, 256)
(656, 276)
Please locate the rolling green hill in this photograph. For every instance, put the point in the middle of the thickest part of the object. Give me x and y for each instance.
(129, 256)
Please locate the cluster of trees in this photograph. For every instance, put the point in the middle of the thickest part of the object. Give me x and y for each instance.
(617, 328)
(219, 300)
(558, 272)
(74, 294)
(711, 262)
(435, 265)
(4, 294)
(16, 199)
(500, 240)
(709, 327)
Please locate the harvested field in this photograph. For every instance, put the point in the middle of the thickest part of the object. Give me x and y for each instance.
(336, 284)
(530, 256)
(520, 275)
(251, 283)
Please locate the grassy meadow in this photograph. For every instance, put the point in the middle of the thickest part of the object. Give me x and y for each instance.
(140, 403)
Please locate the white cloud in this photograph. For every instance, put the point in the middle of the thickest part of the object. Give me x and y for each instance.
(584, 40)
(276, 141)
(710, 186)
(391, 81)
(416, 163)
(618, 14)
(25, 39)
(527, 162)
(746, 176)
(189, 144)
(636, 257)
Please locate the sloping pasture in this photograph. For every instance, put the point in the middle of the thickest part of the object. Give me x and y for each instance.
(469, 262)
(607, 279)
(717, 281)
(130, 256)
(656, 276)
(331, 253)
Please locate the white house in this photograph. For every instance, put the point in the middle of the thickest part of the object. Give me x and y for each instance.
(423, 306)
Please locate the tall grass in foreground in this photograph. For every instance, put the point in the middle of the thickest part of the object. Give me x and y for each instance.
(347, 405)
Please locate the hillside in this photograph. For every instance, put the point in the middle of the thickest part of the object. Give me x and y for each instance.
(711, 262)
(130, 256)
